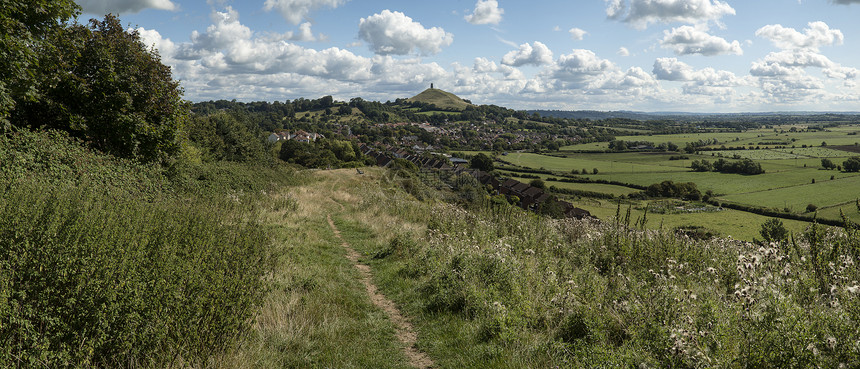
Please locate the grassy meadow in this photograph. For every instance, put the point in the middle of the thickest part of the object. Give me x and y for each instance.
(497, 287)
(792, 180)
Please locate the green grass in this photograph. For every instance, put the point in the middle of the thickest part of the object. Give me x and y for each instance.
(110, 263)
(836, 136)
(594, 187)
(722, 183)
(727, 223)
(567, 164)
(822, 193)
(503, 288)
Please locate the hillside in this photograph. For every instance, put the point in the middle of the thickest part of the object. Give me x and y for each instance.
(442, 99)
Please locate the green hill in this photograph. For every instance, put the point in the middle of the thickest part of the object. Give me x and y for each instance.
(442, 99)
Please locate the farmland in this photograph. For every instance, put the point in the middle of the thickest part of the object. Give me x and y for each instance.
(790, 155)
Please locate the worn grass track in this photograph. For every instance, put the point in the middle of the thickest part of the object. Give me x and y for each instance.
(323, 309)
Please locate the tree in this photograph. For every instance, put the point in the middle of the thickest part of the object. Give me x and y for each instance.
(773, 230)
(539, 183)
(25, 28)
(811, 208)
(482, 162)
(852, 164)
(827, 164)
(116, 95)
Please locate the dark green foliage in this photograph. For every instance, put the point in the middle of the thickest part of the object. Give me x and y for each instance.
(322, 153)
(539, 183)
(852, 164)
(744, 166)
(482, 162)
(552, 208)
(25, 28)
(686, 191)
(773, 230)
(106, 263)
(701, 166)
(104, 86)
(221, 136)
(827, 164)
(811, 208)
(102, 281)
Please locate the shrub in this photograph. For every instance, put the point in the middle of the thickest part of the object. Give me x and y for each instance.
(811, 208)
(773, 230)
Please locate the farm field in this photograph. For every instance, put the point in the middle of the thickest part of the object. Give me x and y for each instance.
(567, 164)
(723, 183)
(737, 224)
(594, 187)
(793, 176)
(833, 136)
(772, 154)
(821, 194)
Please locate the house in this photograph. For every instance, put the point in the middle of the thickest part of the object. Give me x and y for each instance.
(279, 136)
(530, 196)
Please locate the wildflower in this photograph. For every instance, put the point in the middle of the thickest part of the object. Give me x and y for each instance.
(853, 289)
(831, 343)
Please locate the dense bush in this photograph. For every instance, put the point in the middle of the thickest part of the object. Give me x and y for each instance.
(685, 191)
(105, 86)
(105, 262)
(95, 279)
(322, 153)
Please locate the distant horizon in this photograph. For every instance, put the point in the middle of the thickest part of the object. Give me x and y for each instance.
(606, 55)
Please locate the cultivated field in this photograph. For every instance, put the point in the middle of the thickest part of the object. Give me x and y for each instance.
(792, 180)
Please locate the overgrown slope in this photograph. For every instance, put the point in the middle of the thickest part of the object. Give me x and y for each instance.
(493, 286)
(105, 262)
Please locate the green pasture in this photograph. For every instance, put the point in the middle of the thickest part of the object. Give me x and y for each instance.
(833, 212)
(834, 136)
(787, 153)
(594, 187)
(722, 183)
(737, 224)
(567, 164)
(822, 193)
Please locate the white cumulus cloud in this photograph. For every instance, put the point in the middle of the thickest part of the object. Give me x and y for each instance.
(622, 51)
(687, 40)
(294, 11)
(124, 6)
(486, 12)
(641, 13)
(818, 34)
(577, 34)
(395, 33)
(537, 54)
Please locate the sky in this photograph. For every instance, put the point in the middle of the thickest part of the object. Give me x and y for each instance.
(644, 55)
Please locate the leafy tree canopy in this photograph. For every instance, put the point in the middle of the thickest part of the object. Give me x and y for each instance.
(25, 26)
(103, 85)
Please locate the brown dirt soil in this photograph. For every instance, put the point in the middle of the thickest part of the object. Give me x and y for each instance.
(405, 333)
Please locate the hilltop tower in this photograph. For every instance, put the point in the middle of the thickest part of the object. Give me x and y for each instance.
(431, 85)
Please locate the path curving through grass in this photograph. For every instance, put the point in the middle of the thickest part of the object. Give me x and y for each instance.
(405, 332)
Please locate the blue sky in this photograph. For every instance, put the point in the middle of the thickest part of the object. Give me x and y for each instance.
(648, 55)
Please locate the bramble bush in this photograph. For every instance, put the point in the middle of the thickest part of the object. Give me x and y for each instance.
(105, 262)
